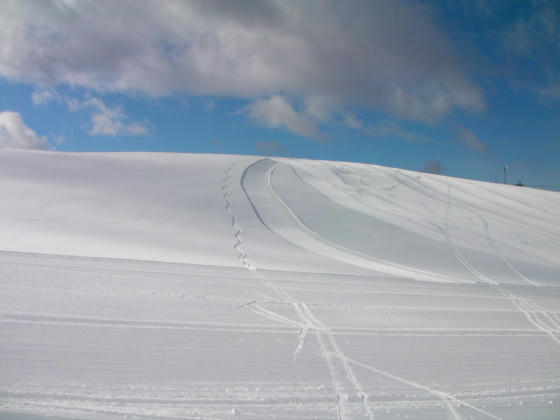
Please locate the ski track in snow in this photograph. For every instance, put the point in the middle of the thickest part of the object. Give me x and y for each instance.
(448, 400)
(346, 409)
(529, 309)
(526, 306)
(455, 250)
(500, 255)
(318, 328)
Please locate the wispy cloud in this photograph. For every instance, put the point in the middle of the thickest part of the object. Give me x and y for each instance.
(278, 112)
(15, 134)
(44, 96)
(535, 32)
(108, 121)
(350, 120)
(469, 139)
(384, 128)
(391, 128)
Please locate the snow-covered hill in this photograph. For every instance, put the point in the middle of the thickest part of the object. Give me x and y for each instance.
(138, 285)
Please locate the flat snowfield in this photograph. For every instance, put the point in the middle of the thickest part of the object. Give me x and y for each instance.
(176, 286)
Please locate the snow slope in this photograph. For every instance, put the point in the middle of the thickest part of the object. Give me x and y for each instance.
(173, 286)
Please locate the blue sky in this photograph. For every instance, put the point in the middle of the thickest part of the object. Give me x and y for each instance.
(473, 84)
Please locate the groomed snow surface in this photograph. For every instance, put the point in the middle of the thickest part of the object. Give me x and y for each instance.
(176, 286)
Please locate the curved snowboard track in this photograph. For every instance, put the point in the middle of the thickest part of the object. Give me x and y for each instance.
(304, 237)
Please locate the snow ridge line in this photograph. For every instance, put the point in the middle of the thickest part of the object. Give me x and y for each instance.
(346, 409)
(299, 398)
(530, 309)
(126, 323)
(97, 412)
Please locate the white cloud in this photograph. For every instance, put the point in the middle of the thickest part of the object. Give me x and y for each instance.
(111, 124)
(108, 121)
(278, 112)
(388, 56)
(14, 134)
(43, 97)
